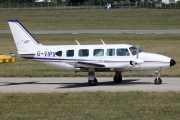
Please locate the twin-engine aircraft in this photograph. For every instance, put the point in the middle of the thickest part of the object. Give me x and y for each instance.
(89, 58)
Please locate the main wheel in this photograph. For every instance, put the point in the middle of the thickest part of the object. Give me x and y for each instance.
(117, 79)
(92, 82)
(158, 81)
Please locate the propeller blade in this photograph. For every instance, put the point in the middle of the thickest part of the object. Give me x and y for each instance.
(137, 52)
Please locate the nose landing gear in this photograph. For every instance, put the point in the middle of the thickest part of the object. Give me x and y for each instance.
(158, 80)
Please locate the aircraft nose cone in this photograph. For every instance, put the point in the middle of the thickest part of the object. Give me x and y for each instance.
(172, 62)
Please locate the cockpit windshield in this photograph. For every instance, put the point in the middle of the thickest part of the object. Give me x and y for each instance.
(134, 50)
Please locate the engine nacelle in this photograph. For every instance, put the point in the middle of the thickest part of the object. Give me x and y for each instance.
(136, 62)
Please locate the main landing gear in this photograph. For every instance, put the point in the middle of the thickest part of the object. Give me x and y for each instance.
(158, 80)
(92, 81)
(117, 77)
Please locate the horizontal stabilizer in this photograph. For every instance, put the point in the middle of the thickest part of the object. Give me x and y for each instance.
(26, 53)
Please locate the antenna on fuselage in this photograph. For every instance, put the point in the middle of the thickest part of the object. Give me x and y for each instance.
(77, 42)
(102, 41)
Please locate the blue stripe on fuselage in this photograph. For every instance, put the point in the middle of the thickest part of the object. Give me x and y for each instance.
(63, 59)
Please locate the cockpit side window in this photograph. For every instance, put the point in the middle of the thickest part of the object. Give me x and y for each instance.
(134, 50)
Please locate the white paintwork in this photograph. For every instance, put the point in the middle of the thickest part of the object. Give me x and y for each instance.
(28, 47)
(107, 5)
(42, 0)
(169, 1)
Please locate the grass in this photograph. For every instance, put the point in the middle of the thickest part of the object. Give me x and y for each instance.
(166, 44)
(98, 19)
(90, 105)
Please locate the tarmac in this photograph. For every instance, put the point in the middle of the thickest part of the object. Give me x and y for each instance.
(80, 84)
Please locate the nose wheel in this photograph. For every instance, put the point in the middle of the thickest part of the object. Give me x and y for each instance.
(158, 80)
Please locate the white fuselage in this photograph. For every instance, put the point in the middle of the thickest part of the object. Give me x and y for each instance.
(70, 55)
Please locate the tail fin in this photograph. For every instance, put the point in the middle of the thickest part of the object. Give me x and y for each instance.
(23, 39)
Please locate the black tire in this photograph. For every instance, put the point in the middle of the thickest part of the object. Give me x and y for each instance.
(158, 81)
(92, 82)
(117, 79)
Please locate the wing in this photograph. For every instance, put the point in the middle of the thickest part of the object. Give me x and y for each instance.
(124, 63)
(92, 64)
(88, 64)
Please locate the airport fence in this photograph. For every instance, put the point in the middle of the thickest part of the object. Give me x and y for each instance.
(86, 5)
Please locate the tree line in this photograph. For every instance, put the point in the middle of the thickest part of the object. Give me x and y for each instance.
(16, 1)
(67, 1)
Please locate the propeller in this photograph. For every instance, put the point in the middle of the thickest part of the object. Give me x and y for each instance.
(137, 51)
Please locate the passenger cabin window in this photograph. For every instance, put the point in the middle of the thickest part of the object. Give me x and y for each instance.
(98, 52)
(59, 53)
(122, 52)
(110, 52)
(83, 52)
(70, 53)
